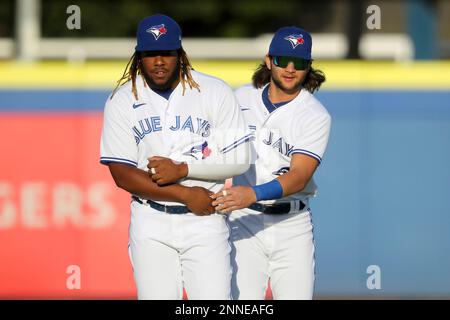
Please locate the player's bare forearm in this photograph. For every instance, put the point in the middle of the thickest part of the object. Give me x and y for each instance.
(301, 170)
(136, 181)
(240, 197)
(292, 182)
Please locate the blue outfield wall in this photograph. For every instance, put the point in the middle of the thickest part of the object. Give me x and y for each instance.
(384, 186)
(384, 194)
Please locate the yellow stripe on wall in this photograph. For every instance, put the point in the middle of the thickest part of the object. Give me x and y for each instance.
(339, 74)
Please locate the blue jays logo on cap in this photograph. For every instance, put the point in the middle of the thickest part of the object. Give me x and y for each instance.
(157, 30)
(295, 39)
(291, 42)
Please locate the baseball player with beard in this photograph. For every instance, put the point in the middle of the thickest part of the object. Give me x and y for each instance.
(271, 228)
(164, 109)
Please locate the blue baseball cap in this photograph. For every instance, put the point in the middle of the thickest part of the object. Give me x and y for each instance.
(291, 42)
(158, 32)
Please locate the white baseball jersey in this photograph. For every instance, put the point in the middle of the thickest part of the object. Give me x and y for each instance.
(197, 127)
(277, 247)
(205, 129)
(300, 126)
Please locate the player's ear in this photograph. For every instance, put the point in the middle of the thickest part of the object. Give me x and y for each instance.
(268, 60)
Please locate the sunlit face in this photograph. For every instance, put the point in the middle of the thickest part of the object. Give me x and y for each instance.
(161, 69)
(287, 79)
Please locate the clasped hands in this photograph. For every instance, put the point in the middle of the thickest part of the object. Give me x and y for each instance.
(164, 171)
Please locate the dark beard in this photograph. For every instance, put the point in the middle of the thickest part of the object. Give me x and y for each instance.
(295, 89)
(174, 77)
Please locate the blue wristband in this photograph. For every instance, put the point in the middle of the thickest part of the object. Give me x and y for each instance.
(268, 191)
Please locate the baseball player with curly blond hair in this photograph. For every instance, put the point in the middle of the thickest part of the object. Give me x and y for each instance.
(270, 220)
(161, 110)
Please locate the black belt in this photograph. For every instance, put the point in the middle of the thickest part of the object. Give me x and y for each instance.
(277, 208)
(163, 208)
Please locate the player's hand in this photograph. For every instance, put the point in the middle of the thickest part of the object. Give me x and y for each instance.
(199, 201)
(238, 197)
(165, 171)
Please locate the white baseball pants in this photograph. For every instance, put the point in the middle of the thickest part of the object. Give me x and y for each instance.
(172, 251)
(275, 247)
